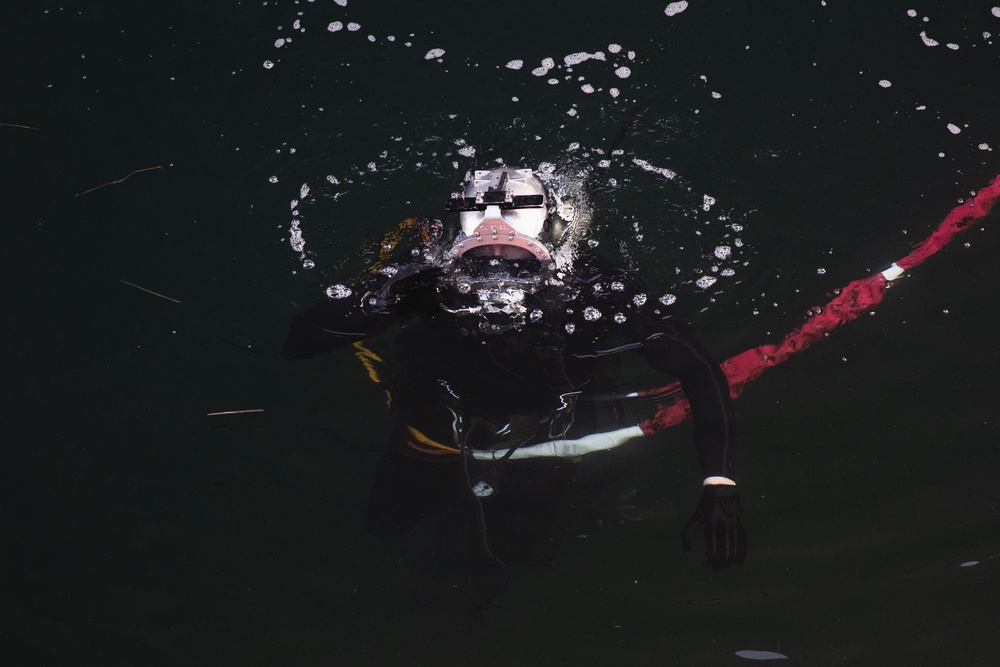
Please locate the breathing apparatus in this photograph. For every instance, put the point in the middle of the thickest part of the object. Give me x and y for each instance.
(511, 240)
(502, 213)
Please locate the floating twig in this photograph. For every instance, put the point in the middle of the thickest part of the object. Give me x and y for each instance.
(120, 180)
(23, 127)
(162, 296)
(234, 412)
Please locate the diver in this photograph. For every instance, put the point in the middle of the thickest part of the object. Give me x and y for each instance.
(503, 340)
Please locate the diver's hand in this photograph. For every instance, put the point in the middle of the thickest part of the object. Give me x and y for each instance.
(718, 515)
(415, 290)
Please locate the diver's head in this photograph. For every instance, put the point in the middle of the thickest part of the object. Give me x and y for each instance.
(502, 213)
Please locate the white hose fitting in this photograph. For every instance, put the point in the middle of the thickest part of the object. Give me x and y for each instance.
(892, 272)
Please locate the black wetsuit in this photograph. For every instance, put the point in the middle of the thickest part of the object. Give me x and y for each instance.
(499, 380)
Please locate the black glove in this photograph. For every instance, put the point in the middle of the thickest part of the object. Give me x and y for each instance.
(718, 513)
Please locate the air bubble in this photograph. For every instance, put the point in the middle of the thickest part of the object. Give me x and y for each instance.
(338, 291)
(308, 264)
(675, 8)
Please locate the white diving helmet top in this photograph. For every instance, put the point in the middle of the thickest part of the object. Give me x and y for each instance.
(502, 212)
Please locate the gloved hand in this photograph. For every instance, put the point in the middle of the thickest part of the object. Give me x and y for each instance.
(418, 291)
(718, 514)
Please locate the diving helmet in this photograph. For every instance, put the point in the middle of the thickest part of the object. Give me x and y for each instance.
(502, 213)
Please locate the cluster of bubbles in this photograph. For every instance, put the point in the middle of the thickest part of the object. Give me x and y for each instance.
(602, 74)
(932, 42)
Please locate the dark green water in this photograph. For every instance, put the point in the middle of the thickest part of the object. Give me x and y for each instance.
(138, 530)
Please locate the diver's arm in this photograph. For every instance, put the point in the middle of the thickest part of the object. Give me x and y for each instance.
(379, 303)
(330, 325)
(675, 350)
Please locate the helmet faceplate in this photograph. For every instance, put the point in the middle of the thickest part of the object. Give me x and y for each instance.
(502, 212)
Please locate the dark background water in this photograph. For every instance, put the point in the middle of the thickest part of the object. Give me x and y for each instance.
(138, 530)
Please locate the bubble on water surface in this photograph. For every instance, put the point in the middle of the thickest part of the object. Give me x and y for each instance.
(675, 8)
(663, 171)
(338, 291)
(750, 654)
(582, 56)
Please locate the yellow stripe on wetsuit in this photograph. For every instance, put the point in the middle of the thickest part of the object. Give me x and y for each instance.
(436, 447)
(368, 359)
